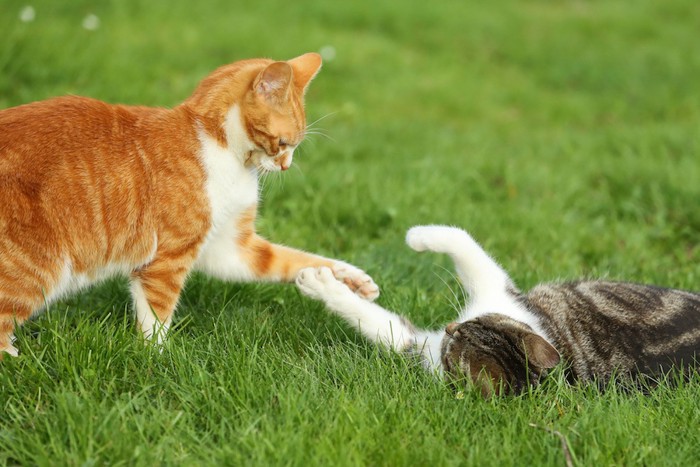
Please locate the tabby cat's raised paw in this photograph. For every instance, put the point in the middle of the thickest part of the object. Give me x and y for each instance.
(437, 238)
(358, 280)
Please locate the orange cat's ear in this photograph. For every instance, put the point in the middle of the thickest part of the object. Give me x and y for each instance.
(305, 68)
(273, 82)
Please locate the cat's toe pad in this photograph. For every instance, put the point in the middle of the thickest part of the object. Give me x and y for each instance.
(318, 283)
(359, 281)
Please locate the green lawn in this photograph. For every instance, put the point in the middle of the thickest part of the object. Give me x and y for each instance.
(565, 135)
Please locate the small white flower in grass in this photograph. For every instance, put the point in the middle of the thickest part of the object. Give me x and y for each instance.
(327, 53)
(27, 14)
(91, 22)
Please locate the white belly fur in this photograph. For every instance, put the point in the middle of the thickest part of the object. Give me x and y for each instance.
(70, 282)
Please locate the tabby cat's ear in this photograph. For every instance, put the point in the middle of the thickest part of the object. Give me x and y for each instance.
(305, 69)
(273, 83)
(540, 352)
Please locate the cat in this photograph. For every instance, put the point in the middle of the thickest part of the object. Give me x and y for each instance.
(505, 341)
(90, 190)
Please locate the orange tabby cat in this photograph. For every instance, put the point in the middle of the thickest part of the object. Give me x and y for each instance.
(89, 190)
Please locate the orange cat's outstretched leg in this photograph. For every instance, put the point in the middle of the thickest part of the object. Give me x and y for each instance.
(155, 290)
(251, 256)
(10, 314)
(277, 262)
(238, 253)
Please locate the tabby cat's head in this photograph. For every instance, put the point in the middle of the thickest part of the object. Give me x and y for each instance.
(497, 354)
(256, 108)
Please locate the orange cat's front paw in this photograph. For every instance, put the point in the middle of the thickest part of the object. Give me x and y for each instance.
(359, 281)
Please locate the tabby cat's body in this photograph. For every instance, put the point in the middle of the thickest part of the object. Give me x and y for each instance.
(632, 328)
(506, 340)
(89, 190)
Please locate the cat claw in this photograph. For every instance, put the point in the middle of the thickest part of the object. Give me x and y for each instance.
(359, 281)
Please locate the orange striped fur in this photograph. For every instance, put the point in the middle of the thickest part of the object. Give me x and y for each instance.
(89, 190)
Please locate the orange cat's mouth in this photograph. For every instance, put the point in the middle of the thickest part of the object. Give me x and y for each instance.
(261, 161)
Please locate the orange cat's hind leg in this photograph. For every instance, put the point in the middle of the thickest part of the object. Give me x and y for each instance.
(10, 315)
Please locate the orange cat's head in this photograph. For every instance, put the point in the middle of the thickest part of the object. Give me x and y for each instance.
(255, 108)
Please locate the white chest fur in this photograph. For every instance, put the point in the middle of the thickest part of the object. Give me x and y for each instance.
(231, 189)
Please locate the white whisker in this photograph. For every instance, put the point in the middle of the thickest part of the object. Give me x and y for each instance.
(280, 180)
(314, 131)
(310, 125)
(262, 180)
(455, 299)
(296, 165)
(311, 130)
(320, 133)
(310, 140)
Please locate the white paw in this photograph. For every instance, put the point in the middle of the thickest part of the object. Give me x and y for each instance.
(155, 332)
(417, 238)
(422, 237)
(11, 350)
(320, 284)
(438, 238)
(359, 281)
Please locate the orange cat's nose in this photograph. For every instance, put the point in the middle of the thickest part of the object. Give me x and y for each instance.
(285, 160)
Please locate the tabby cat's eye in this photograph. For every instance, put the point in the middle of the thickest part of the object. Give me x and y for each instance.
(282, 143)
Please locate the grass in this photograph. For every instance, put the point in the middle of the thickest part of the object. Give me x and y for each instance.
(563, 135)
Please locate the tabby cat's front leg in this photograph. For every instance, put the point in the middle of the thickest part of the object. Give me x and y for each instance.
(374, 322)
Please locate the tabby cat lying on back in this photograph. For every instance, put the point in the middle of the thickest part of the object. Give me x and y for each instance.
(505, 340)
(89, 190)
